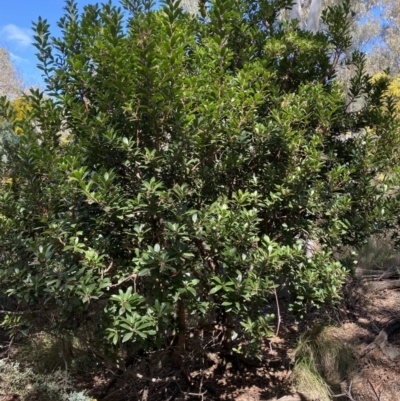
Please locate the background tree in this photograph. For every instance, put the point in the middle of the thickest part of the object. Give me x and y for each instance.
(10, 79)
(393, 89)
(10, 86)
(385, 51)
(375, 29)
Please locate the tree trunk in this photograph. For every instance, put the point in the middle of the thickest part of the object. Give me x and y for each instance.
(179, 344)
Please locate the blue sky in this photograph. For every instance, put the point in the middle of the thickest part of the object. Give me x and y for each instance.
(16, 33)
(16, 18)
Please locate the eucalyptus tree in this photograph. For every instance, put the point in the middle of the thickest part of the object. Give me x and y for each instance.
(314, 14)
(385, 50)
(375, 29)
(10, 86)
(10, 79)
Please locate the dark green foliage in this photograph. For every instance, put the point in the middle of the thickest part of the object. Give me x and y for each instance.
(201, 153)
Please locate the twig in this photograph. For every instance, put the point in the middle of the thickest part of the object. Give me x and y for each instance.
(346, 393)
(9, 348)
(208, 156)
(130, 277)
(109, 267)
(145, 394)
(279, 313)
(202, 361)
(197, 394)
(378, 396)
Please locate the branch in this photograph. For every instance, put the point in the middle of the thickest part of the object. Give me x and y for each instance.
(209, 154)
(279, 313)
(8, 312)
(203, 252)
(346, 393)
(131, 276)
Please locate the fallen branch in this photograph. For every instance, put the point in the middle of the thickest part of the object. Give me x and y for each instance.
(377, 275)
(382, 338)
(384, 285)
(346, 393)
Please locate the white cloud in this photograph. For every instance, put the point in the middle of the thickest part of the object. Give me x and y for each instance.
(13, 33)
(18, 59)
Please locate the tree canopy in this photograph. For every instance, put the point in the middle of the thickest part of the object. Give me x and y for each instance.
(202, 152)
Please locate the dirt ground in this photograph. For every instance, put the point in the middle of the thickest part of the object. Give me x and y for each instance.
(378, 376)
(217, 375)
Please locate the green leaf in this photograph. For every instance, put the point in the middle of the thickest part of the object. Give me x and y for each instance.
(127, 337)
(215, 289)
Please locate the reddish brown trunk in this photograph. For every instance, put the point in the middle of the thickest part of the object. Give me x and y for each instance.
(179, 345)
(227, 332)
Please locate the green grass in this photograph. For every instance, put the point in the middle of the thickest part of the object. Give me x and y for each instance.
(48, 353)
(378, 253)
(30, 385)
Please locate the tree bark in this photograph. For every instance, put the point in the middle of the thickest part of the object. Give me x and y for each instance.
(179, 344)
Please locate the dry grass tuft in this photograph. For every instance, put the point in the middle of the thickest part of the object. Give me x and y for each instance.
(323, 361)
